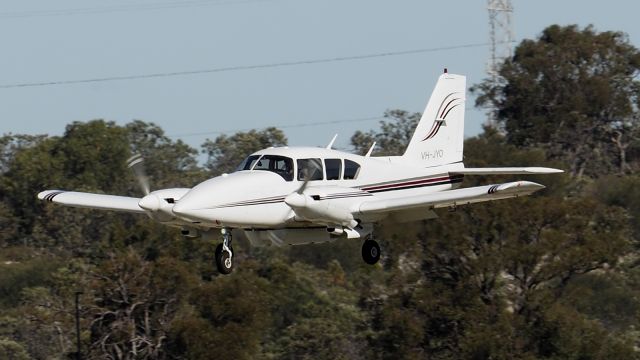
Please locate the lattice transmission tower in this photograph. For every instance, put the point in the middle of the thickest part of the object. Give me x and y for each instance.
(501, 37)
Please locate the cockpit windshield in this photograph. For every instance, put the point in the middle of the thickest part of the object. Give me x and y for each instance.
(247, 163)
(280, 165)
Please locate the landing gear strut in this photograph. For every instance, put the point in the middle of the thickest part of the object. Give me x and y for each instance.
(224, 253)
(370, 252)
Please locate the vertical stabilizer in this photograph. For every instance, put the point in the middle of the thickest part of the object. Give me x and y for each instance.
(439, 136)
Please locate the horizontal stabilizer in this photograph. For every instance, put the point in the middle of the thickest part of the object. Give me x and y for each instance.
(507, 171)
(92, 201)
(450, 197)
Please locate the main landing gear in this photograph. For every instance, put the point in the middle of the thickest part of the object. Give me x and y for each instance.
(224, 253)
(370, 251)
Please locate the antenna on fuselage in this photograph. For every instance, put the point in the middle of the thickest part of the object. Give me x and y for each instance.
(370, 150)
(332, 141)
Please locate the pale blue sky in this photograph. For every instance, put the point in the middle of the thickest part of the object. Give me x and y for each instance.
(78, 39)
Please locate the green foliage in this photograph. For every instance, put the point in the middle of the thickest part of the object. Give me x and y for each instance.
(134, 302)
(225, 153)
(16, 276)
(167, 163)
(393, 137)
(11, 350)
(573, 92)
(622, 191)
(8, 225)
(608, 298)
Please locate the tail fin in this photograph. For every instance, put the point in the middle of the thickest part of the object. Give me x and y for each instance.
(439, 136)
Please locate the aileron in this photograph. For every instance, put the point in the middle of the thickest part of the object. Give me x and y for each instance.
(507, 171)
(451, 197)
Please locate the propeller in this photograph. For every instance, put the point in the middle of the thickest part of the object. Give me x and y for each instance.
(306, 207)
(298, 199)
(136, 164)
(150, 202)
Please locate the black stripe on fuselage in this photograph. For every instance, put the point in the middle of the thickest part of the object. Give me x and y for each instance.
(251, 202)
(389, 187)
(345, 195)
(414, 181)
(450, 181)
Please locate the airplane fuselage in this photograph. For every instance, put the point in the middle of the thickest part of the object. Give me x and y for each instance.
(255, 199)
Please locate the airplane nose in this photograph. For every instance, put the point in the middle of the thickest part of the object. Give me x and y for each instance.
(183, 209)
(192, 205)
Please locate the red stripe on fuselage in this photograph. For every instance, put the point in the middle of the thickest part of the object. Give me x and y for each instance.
(408, 183)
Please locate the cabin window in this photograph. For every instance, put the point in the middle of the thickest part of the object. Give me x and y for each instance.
(280, 165)
(309, 169)
(351, 169)
(247, 163)
(333, 168)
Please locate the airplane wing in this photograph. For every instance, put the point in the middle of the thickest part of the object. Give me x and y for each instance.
(92, 201)
(507, 171)
(450, 197)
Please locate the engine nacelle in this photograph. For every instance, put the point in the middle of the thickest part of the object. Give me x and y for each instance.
(310, 208)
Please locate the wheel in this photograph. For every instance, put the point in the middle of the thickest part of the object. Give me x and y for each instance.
(370, 252)
(223, 260)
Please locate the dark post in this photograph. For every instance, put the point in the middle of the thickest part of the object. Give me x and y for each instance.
(78, 355)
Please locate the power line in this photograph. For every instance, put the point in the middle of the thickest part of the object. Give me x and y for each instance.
(122, 8)
(240, 67)
(286, 126)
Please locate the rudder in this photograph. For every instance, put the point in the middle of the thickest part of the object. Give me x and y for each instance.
(439, 136)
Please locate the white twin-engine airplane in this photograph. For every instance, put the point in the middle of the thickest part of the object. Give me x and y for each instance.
(301, 195)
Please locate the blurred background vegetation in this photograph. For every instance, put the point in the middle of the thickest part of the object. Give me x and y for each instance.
(552, 276)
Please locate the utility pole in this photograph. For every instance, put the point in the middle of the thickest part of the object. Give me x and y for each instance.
(501, 37)
(78, 353)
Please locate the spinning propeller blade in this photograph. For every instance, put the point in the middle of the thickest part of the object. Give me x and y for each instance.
(309, 168)
(304, 185)
(136, 164)
(304, 206)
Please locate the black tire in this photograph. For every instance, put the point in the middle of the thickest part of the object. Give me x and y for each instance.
(223, 260)
(370, 252)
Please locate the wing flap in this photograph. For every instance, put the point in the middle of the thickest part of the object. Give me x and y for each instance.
(451, 197)
(92, 201)
(507, 171)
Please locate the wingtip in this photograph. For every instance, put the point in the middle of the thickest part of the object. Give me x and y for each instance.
(49, 194)
(42, 194)
(546, 170)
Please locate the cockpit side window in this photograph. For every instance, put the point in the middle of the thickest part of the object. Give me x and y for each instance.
(351, 169)
(280, 165)
(247, 163)
(310, 168)
(333, 168)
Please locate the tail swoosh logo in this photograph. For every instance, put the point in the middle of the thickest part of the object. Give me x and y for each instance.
(449, 103)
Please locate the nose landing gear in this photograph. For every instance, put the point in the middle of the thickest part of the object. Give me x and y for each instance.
(370, 252)
(224, 253)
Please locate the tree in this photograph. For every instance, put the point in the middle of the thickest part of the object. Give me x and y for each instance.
(88, 157)
(392, 138)
(134, 304)
(573, 92)
(167, 163)
(11, 350)
(12, 144)
(225, 153)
